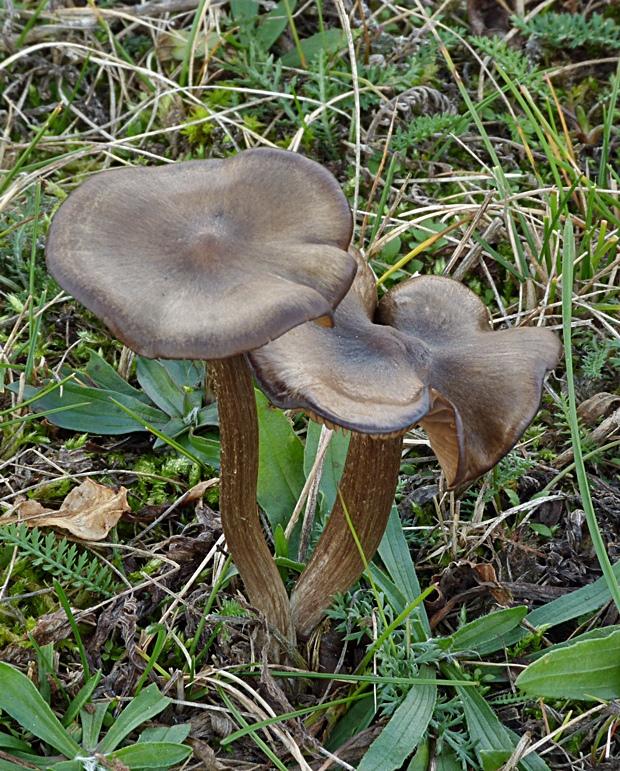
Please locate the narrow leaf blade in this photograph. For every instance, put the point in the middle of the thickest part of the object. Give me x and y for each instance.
(494, 626)
(281, 466)
(20, 699)
(153, 754)
(405, 730)
(145, 706)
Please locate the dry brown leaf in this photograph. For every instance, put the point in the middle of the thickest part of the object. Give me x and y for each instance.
(197, 491)
(88, 512)
(596, 406)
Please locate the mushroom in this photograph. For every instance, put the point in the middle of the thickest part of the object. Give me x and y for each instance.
(208, 260)
(486, 385)
(366, 378)
(425, 362)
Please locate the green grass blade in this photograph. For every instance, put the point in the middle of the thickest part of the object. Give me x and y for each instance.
(28, 151)
(584, 487)
(609, 123)
(289, 716)
(263, 745)
(76, 632)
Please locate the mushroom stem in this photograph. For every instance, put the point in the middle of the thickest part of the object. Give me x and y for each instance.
(368, 486)
(239, 475)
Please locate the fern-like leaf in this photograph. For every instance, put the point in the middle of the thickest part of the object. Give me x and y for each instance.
(60, 559)
(568, 30)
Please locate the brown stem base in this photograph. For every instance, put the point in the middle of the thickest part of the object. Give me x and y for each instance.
(238, 479)
(368, 486)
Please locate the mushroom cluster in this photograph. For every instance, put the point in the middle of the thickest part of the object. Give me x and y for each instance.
(235, 261)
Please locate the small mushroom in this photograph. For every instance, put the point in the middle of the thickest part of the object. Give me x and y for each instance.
(431, 361)
(369, 379)
(486, 385)
(207, 260)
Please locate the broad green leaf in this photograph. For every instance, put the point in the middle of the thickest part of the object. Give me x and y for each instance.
(100, 415)
(106, 377)
(421, 758)
(280, 542)
(87, 401)
(392, 593)
(176, 387)
(281, 466)
(208, 416)
(273, 24)
(331, 41)
(447, 760)
(175, 733)
(245, 14)
(541, 529)
(153, 754)
(205, 450)
(578, 603)
(67, 765)
(8, 742)
(173, 429)
(145, 706)
(244, 11)
(20, 699)
(160, 387)
(395, 555)
(186, 373)
(493, 760)
(334, 462)
(405, 730)
(285, 562)
(7, 765)
(91, 725)
(593, 634)
(585, 669)
(494, 626)
(484, 725)
(34, 760)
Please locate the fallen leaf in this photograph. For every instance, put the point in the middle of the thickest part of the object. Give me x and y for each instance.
(197, 491)
(204, 753)
(88, 512)
(461, 580)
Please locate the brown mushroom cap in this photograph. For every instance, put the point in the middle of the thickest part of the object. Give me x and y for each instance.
(486, 385)
(205, 259)
(356, 375)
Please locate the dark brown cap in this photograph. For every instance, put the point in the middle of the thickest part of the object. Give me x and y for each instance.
(357, 375)
(205, 259)
(486, 385)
